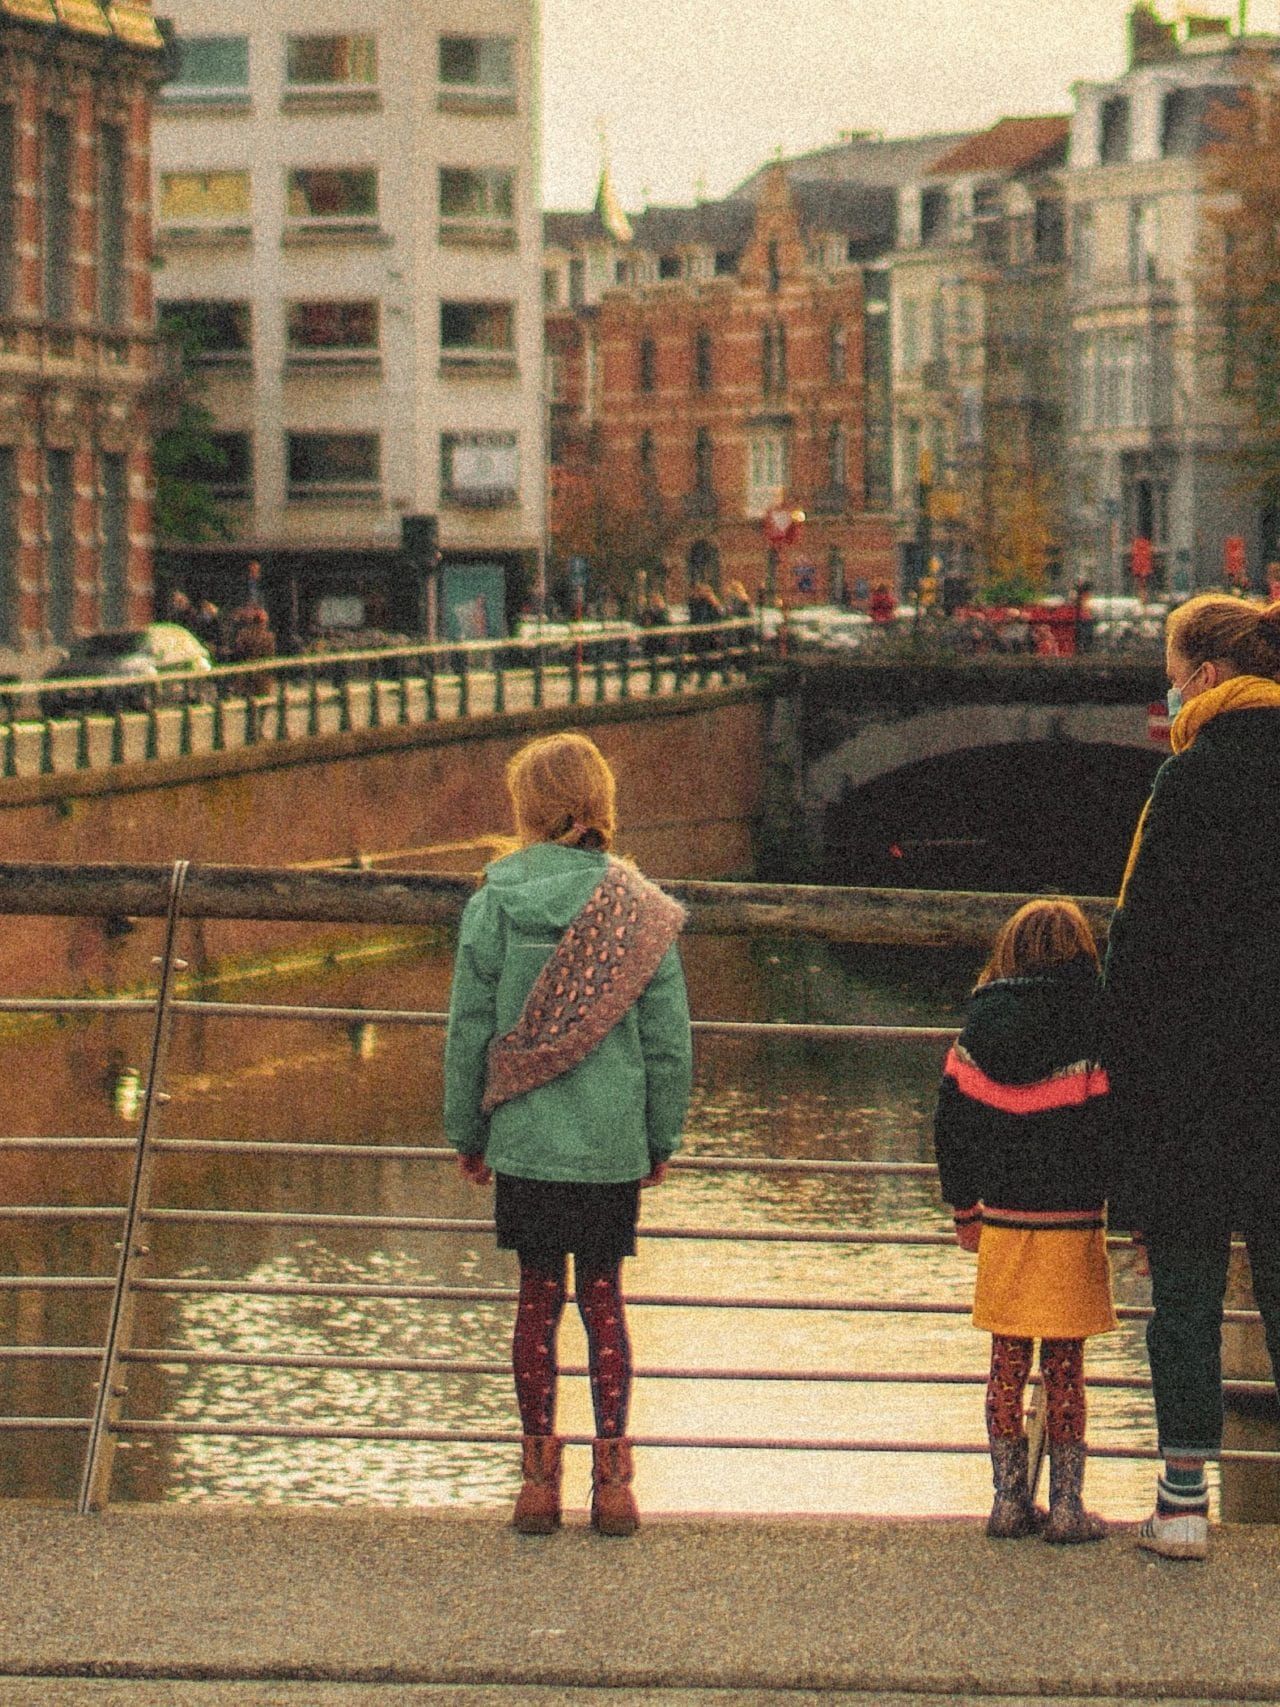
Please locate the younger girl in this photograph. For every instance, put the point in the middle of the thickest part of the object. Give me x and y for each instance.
(567, 1074)
(1019, 1147)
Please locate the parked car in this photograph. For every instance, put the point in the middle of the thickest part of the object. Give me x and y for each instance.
(135, 658)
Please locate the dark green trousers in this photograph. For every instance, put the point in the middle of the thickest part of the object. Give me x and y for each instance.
(1184, 1336)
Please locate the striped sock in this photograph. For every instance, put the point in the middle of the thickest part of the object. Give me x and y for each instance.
(1182, 1493)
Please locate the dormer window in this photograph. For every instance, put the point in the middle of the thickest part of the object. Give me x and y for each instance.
(669, 266)
(1113, 130)
(935, 217)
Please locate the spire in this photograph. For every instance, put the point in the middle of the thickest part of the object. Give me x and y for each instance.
(608, 209)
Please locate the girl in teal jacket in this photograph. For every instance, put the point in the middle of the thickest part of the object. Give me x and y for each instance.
(567, 1072)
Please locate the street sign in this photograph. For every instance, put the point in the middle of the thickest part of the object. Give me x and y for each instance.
(1140, 558)
(1158, 721)
(578, 572)
(1233, 561)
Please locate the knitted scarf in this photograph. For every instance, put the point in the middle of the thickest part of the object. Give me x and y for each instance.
(602, 965)
(1237, 693)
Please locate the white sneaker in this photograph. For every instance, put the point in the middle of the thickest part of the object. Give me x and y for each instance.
(1185, 1536)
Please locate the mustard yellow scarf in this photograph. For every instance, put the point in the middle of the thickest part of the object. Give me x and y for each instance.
(1237, 693)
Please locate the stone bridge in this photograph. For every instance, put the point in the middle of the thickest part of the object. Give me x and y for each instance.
(950, 755)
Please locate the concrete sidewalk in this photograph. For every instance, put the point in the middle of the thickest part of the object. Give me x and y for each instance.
(276, 1607)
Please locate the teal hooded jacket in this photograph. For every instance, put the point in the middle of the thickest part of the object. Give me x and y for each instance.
(619, 1112)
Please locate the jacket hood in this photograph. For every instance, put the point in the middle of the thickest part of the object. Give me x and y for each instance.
(1018, 1030)
(544, 886)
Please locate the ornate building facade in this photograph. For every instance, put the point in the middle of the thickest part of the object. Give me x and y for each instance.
(76, 337)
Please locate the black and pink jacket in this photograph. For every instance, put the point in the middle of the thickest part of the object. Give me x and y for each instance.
(1019, 1129)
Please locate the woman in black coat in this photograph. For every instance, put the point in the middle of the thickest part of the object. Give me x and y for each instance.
(1192, 1033)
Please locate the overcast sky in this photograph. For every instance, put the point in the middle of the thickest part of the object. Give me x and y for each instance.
(694, 94)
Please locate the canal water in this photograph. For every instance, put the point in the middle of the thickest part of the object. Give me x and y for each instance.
(241, 1079)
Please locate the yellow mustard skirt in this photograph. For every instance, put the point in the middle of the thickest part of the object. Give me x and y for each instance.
(1043, 1283)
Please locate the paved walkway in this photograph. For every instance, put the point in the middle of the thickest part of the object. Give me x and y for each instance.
(277, 1607)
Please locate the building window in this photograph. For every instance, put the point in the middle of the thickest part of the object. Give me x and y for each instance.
(726, 262)
(935, 217)
(332, 196)
(321, 330)
(8, 163)
(768, 471)
(1082, 243)
(670, 266)
(478, 63)
(479, 470)
(111, 225)
(1113, 130)
(9, 542)
(971, 416)
(61, 558)
(774, 266)
(333, 465)
(483, 331)
(577, 282)
(234, 477)
(208, 200)
(210, 68)
(113, 610)
(1144, 241)
(1049, 231)
(773, 359)
(648, 459)
(331, 62)
(648, 364)
(703, 475)
(57, 216)
(838, 354)
(478, 202)
(214, 329)
(620, 272)
(550, 288)
(703, 372)
(837, 456)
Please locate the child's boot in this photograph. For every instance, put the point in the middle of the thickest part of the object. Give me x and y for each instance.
(1068, 1519)
(613, 1505)
(538, 1502)
(1012, 1513)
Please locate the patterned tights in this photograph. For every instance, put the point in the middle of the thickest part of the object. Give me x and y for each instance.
(533, 1351)
(1062, 1370)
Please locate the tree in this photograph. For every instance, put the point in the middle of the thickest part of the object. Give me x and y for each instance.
(186, 456)
(1239, 274)
(624, 534)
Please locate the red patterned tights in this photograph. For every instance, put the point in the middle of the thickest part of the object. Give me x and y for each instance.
(533, 1351)
(1062, 1370)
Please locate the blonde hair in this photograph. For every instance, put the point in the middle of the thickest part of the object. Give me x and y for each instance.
(1241, 632)
(562, 790)
(1039, 935)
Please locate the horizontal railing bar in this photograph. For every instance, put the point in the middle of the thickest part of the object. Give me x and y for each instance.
(60, 1212)
(56, 1282)
(11, 1425)
(76, 1004)
(698, 1443)
(23, 1353)
(895, 917)
(672, 1301)
(185, 1356)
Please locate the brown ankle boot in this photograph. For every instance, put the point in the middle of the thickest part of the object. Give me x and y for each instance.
(538, 1503)
(1012, 1513)
(613, 1506)
(1069, 1522)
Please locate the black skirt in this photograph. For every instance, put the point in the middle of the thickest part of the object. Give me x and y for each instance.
(547, 1220)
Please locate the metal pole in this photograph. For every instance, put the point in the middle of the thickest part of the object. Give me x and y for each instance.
(95, 1487)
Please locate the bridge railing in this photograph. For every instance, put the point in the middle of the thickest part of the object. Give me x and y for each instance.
(94, 722)
(186, 892)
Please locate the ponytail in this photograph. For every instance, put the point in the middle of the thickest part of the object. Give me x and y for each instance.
(1240, 632)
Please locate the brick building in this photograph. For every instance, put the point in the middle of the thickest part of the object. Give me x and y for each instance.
(709, 362)
(76, 341)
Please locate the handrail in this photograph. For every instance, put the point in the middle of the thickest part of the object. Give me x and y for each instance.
(233, 892)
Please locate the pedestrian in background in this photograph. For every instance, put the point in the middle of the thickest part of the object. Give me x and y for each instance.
(1019, 1141)
(1192, 1039)
(567, 1074)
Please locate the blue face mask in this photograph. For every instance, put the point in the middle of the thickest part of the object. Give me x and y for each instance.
(1173, 699)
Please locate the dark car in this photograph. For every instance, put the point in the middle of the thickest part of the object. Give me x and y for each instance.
(133, 658)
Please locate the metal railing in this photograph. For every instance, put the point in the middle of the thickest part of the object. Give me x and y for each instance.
(187, 897)
(90, 723)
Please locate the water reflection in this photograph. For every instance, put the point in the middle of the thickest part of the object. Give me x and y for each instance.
(239, 1079)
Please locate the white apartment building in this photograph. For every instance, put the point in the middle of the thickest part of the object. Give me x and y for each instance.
(348, 201)
(1151, 424)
